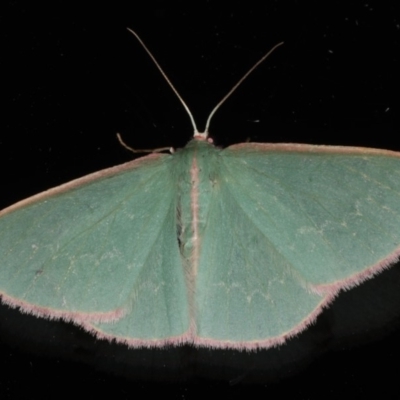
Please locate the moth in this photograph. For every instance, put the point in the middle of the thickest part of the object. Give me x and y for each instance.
(239, 247)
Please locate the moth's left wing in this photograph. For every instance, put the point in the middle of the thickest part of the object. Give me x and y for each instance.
(99, 251)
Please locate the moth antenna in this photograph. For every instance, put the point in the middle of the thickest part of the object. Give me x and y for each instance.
(205, 134)
(201, 135)
(196, 132)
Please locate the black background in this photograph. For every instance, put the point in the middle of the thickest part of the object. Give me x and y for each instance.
(72, 76)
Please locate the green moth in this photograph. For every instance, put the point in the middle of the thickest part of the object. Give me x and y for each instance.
(239, 247)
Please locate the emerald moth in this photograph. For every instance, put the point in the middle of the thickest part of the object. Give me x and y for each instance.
(239, 247)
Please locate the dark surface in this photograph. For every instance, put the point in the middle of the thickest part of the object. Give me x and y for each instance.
(73, 77)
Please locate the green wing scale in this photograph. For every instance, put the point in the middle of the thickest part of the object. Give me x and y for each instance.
(238, 248)
(299, 223)
(99, 248)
